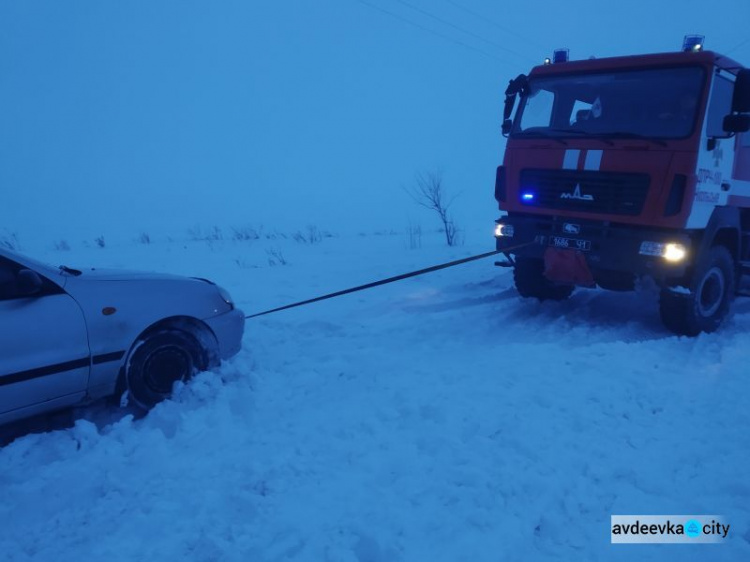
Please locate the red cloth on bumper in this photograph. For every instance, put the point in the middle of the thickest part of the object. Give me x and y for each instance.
(568, 267)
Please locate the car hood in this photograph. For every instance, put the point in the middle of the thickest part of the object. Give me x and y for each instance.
(125, 275)
(144, 295)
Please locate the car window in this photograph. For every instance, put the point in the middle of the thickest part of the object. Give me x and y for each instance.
(9, 282)
(8, 274)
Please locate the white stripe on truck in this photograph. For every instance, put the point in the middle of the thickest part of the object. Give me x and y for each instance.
(593, 160)
(570, 162)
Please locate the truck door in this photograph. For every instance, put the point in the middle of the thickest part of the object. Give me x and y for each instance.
(716, 155)
(44, 352)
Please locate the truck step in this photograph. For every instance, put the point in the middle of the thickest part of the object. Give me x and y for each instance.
(744, 267)
(506, 263)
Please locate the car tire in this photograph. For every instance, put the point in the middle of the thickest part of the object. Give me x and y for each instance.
(528, 275)
(712, 289)
(158, 361)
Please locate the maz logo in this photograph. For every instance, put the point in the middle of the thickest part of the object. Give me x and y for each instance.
(577, 194)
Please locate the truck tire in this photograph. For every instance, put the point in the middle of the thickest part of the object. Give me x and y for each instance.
(712, 289)
(528, 275)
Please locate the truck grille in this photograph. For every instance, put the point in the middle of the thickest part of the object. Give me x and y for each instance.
(613, 193)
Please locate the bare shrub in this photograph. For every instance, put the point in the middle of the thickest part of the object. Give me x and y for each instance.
(274, 235)
(197, 234)
(244, 264)
(275, 257)
(414, 236)
(9, 241)
(245, 233)
(312, 235)
(214, 235)
(428, 192)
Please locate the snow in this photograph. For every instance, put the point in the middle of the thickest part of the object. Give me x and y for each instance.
(438, 418)
(680, 290)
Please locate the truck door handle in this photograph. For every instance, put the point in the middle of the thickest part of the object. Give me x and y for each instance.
(725, 186)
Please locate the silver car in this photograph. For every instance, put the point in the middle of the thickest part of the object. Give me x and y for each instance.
(71, 336)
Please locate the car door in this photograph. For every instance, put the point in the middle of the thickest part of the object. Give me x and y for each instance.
(44, 351)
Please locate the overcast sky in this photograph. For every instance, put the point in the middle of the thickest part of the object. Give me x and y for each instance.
(143, 115)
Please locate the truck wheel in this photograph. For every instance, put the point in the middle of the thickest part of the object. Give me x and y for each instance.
(528, 275)
(711, 292)
(160, 360)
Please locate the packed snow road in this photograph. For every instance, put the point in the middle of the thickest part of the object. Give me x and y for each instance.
(439, 418)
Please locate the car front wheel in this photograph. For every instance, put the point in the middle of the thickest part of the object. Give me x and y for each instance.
(160, 360)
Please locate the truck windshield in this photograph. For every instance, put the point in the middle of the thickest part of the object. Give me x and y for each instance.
(655, 103)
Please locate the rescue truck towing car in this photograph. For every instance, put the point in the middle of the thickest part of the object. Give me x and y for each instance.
(626, 167)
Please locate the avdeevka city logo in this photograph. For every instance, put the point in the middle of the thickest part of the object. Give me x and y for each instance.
(692, 528)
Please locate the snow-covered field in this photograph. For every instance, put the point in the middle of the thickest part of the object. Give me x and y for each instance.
(438, 418)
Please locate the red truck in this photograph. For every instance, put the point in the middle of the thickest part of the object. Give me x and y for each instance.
(628, 167)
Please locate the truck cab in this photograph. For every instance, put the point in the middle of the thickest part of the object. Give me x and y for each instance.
(624, 167)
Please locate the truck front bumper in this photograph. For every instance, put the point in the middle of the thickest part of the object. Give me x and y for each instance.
(606, 247)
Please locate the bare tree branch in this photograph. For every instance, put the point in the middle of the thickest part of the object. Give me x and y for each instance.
(428, 192)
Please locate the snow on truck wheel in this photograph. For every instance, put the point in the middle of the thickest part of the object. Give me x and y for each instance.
(707, 303)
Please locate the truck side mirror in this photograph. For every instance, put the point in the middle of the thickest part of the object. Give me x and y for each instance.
(28, 282)
(741, 97)
(516, 86)
(739, 120)
(735, 123)
(507, 125)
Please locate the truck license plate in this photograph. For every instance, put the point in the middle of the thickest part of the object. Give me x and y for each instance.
(570, 243)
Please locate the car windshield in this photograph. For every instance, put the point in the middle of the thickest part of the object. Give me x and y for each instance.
(26, 261)
(655, 103)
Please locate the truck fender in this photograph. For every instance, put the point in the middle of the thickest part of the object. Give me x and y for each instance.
(724, 229)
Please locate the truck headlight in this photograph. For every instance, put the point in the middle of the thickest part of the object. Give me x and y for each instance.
(674, 252)
(504, 230)
(670, 251)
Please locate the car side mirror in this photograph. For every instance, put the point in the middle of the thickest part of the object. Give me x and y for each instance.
(28, 282)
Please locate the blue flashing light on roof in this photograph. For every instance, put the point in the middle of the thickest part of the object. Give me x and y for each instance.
(560, 55)
(693, 43)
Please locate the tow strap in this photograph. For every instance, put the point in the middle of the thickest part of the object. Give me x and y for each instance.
(389, 280)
